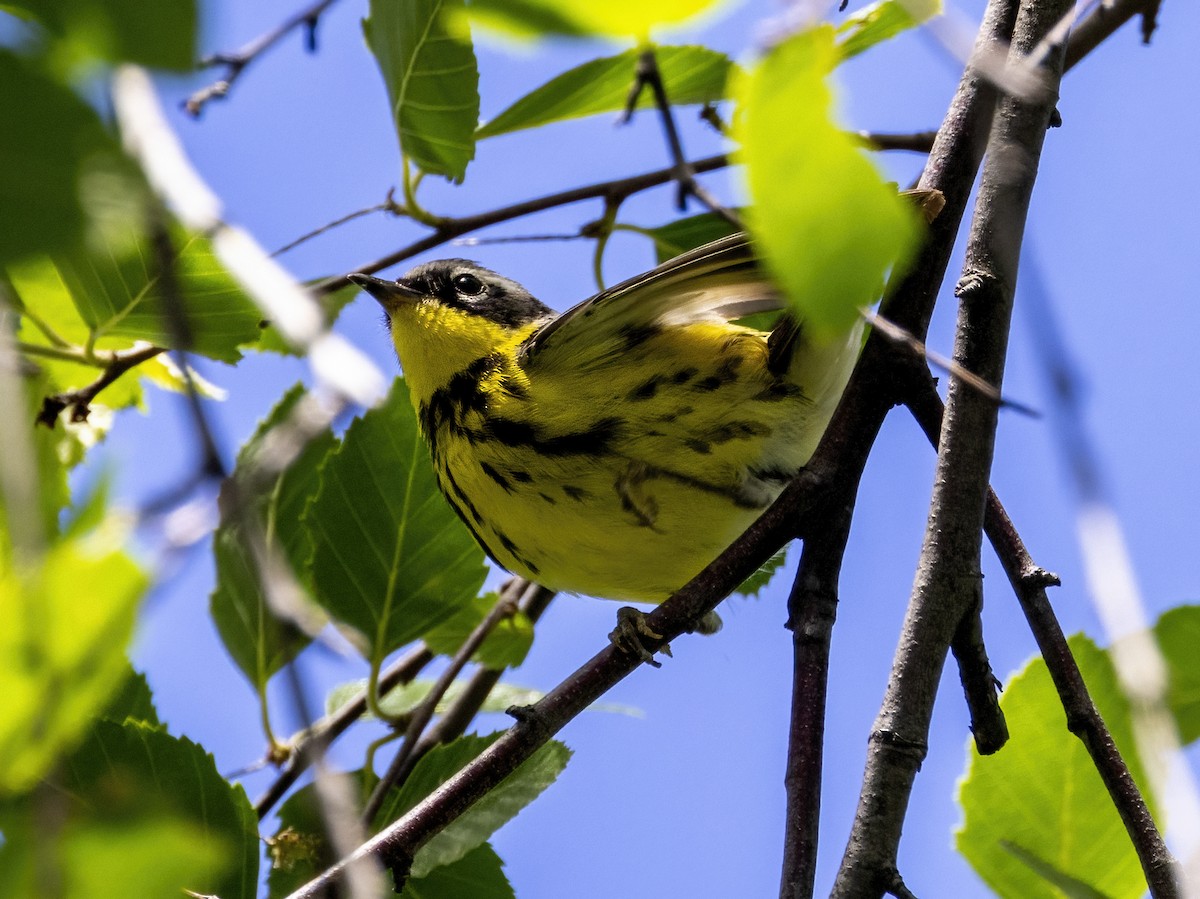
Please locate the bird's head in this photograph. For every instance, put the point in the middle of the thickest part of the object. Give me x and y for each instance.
(444, 315)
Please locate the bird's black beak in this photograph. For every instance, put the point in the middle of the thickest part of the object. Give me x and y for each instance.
(388, 293)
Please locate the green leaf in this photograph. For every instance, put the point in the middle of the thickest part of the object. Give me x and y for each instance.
(687, 233)
(1070, 887)
(159, 35)
(478, 874)
(404, 698)
(119, 295)
(486, 816)
(505, 647)
(690, 74)
(392, 559)
(133, 701)
(753, 584)
(432, 81)
(1178, 635)
(131, 773)
(882, 21)
(826, 224)
(1042, 794)
(49, 144)
(151, 856)
(61, 659)
(254, 635)
(569, 18)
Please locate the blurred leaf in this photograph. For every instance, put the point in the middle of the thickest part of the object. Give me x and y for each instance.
(392, 559)
(404, 698)
(159, 35)
(882, 21)
(255, 637)
(432, 81)
(1042, 794)
(133, 701)
(1069, 887)
(688, 233)
(488, 814)
(271, 341)
(690, 74)
(505, 647)
(753, 584)
(49, 140)
(1178, 635)
(61, 659)
(826, 224)
(130, 774)
(478, 874)
(569, 18)
(150, 856)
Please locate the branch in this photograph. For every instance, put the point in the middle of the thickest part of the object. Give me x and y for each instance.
(1029, 582)
(1104, 20)
(406, 758)
(948, 570)
(313, 741)
(648, 75)
(79, 401)
(235, 63)
(812, 609)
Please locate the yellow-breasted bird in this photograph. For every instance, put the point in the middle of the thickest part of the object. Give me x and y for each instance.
(618, 448)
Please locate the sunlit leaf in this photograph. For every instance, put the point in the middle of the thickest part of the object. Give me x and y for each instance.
(827, 225)
(882, 21)
(569, 18)
(61, 659)
(432, 81)
(1042, 798)
(392, 559)
(1178, 634)
(690, 75)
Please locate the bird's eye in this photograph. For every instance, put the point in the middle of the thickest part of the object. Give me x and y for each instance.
(468, 285)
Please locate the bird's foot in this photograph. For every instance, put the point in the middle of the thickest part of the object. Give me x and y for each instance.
(630, 633)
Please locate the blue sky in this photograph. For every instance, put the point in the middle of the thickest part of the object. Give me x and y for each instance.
(688, 800)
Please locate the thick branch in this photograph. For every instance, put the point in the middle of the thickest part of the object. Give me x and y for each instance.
(1029, 581)
(948, 570)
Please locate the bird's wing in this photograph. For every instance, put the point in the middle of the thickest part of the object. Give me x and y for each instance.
(720, 280)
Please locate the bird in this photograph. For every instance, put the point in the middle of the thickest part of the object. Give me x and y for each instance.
(613, 450)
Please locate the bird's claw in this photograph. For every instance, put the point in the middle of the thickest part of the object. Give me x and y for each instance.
(629, 633)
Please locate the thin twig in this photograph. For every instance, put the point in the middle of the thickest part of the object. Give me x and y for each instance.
(306, 746)
(406, 758)
(1104, 20)
(236, 62)
(646, 75)
(79, 401)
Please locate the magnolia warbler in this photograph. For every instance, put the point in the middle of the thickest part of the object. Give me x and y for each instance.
(615, 449)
